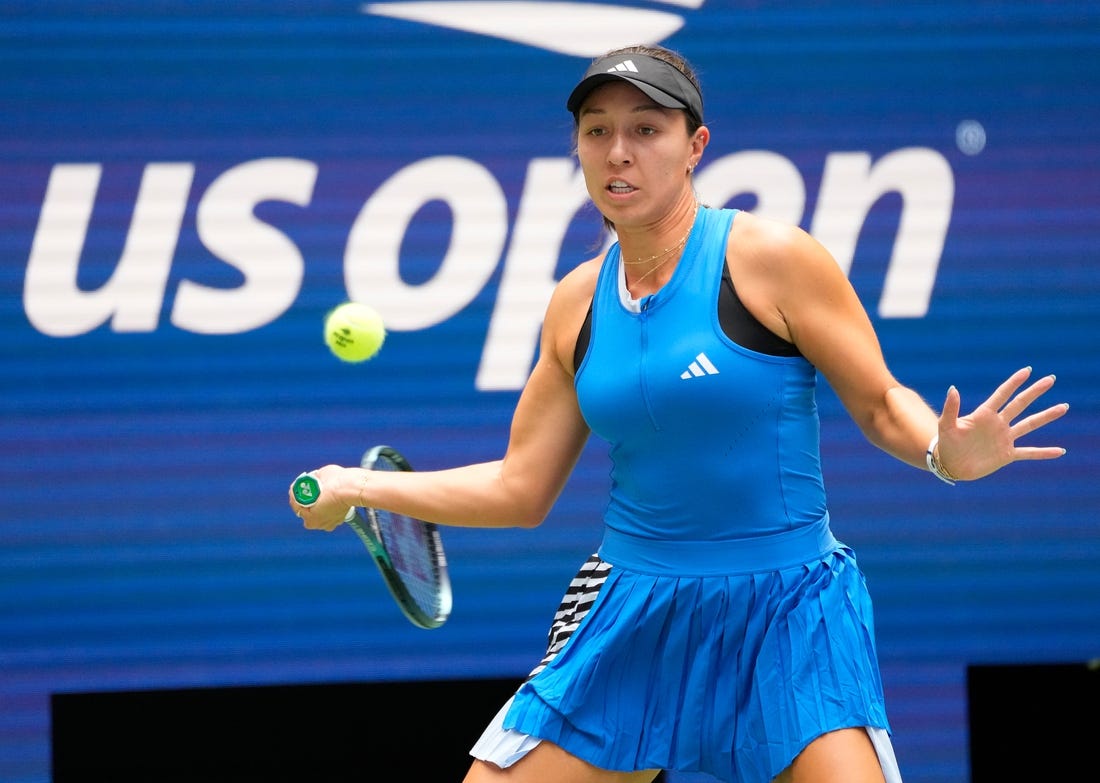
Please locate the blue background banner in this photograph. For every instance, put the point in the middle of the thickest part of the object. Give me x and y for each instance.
(187, 188)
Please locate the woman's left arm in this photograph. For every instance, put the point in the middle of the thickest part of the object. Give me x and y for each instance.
(829, 325)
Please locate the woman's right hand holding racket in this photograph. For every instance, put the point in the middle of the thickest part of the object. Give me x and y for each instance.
(325, 497)
(408, 551)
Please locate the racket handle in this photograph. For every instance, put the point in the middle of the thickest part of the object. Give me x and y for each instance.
(306, 489)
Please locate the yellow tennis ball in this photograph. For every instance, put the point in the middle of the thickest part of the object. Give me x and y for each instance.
(354, 331)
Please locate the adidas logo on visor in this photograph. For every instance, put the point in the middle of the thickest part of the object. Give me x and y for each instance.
(701, 366)
(626, 66)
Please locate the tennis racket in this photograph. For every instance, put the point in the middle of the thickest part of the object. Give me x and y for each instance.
(408, 551)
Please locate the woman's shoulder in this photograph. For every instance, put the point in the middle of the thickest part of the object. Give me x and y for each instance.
(573, 294)
(762, 234)
(580, 282)
(568, 309)
(763, 246)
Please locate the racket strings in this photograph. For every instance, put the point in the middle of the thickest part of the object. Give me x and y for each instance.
(414, 556)
(408, 551)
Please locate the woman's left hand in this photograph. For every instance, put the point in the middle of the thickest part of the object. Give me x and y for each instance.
(984, 441)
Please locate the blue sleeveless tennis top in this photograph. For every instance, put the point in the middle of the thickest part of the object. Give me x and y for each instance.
(709, 441)
(720, 627)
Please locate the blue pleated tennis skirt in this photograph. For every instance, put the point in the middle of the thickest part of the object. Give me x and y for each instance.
(731, 674)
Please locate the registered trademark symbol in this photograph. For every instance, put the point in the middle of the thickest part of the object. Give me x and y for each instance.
(970, 137)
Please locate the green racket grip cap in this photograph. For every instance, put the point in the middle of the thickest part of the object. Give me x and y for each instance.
(306, 489)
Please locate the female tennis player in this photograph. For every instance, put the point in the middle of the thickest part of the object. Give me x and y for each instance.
(720, 627)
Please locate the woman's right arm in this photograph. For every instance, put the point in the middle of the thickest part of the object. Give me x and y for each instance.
(545, 441)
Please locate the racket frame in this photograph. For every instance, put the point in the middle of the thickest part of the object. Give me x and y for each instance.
(365, 521)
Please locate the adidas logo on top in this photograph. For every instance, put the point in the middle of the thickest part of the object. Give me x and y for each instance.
(625, 65)
(701, 366)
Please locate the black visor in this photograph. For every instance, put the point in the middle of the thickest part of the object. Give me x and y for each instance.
(662, 82)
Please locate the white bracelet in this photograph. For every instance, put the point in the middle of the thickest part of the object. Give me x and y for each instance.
(934, 464)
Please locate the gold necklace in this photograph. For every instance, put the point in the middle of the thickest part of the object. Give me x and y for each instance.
(667, 250)
(651, 271)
